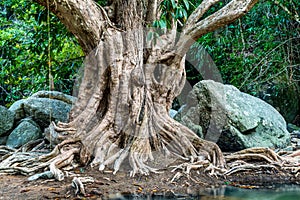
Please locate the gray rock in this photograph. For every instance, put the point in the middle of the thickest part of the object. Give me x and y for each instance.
(26, 131)
(43, 175)
(44, 110)
(18, 109)
(233, 119)
(55, 95)
(44, 107)
(172, 113)
(6, 120)
(3, 140)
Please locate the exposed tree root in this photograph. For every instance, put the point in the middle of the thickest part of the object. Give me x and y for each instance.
(5, 150)
(31, 162)
(264, 158)
(292, 162)
(138, 154)
(78, 184)
(253, 153)
(248, 167)
(140, 157)
(294, 154)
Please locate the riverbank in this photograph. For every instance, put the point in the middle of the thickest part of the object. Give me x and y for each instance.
(109, 186)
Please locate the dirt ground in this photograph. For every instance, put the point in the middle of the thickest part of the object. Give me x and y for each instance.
(119, 186)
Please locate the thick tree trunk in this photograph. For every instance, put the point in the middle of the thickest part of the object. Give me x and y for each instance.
(129, 83)
(123, 104)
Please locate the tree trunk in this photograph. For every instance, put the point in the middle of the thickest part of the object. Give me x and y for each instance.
(122, 112)
(129, 83)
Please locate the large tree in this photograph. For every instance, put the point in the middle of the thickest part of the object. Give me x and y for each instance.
(131, 77)
(130, 81)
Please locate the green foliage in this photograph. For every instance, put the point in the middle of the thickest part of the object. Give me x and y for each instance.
(173, 12)
(24, 58)
(260, 48)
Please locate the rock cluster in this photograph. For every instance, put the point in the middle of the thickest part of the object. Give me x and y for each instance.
(26, 119)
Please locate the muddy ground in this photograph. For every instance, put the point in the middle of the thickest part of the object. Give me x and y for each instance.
(109, 186)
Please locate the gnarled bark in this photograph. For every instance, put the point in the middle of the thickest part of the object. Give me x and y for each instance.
(126, 116)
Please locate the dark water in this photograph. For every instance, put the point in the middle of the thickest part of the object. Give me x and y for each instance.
(283, 192)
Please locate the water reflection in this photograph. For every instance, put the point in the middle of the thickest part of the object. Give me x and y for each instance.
(283, 192)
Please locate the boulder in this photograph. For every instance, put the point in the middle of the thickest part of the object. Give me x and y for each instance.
(292, 127)
(44, 107)
(3, 140)
(26, 131)
(18, 109)
(6, 120)
(233, 119)
(44, 110)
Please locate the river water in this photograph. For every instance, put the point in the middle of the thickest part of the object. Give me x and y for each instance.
(282, 192)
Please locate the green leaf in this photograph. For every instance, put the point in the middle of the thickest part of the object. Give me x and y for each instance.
(155, 23)
(173, 4)
(187, 4)
(162, 24)
(185, 15)
(179, 13)
(149, 36)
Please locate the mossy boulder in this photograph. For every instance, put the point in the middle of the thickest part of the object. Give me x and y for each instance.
(26, 131)
(233, 119)
(6, 120)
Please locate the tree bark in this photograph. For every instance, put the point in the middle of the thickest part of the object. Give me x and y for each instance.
(125, 116)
